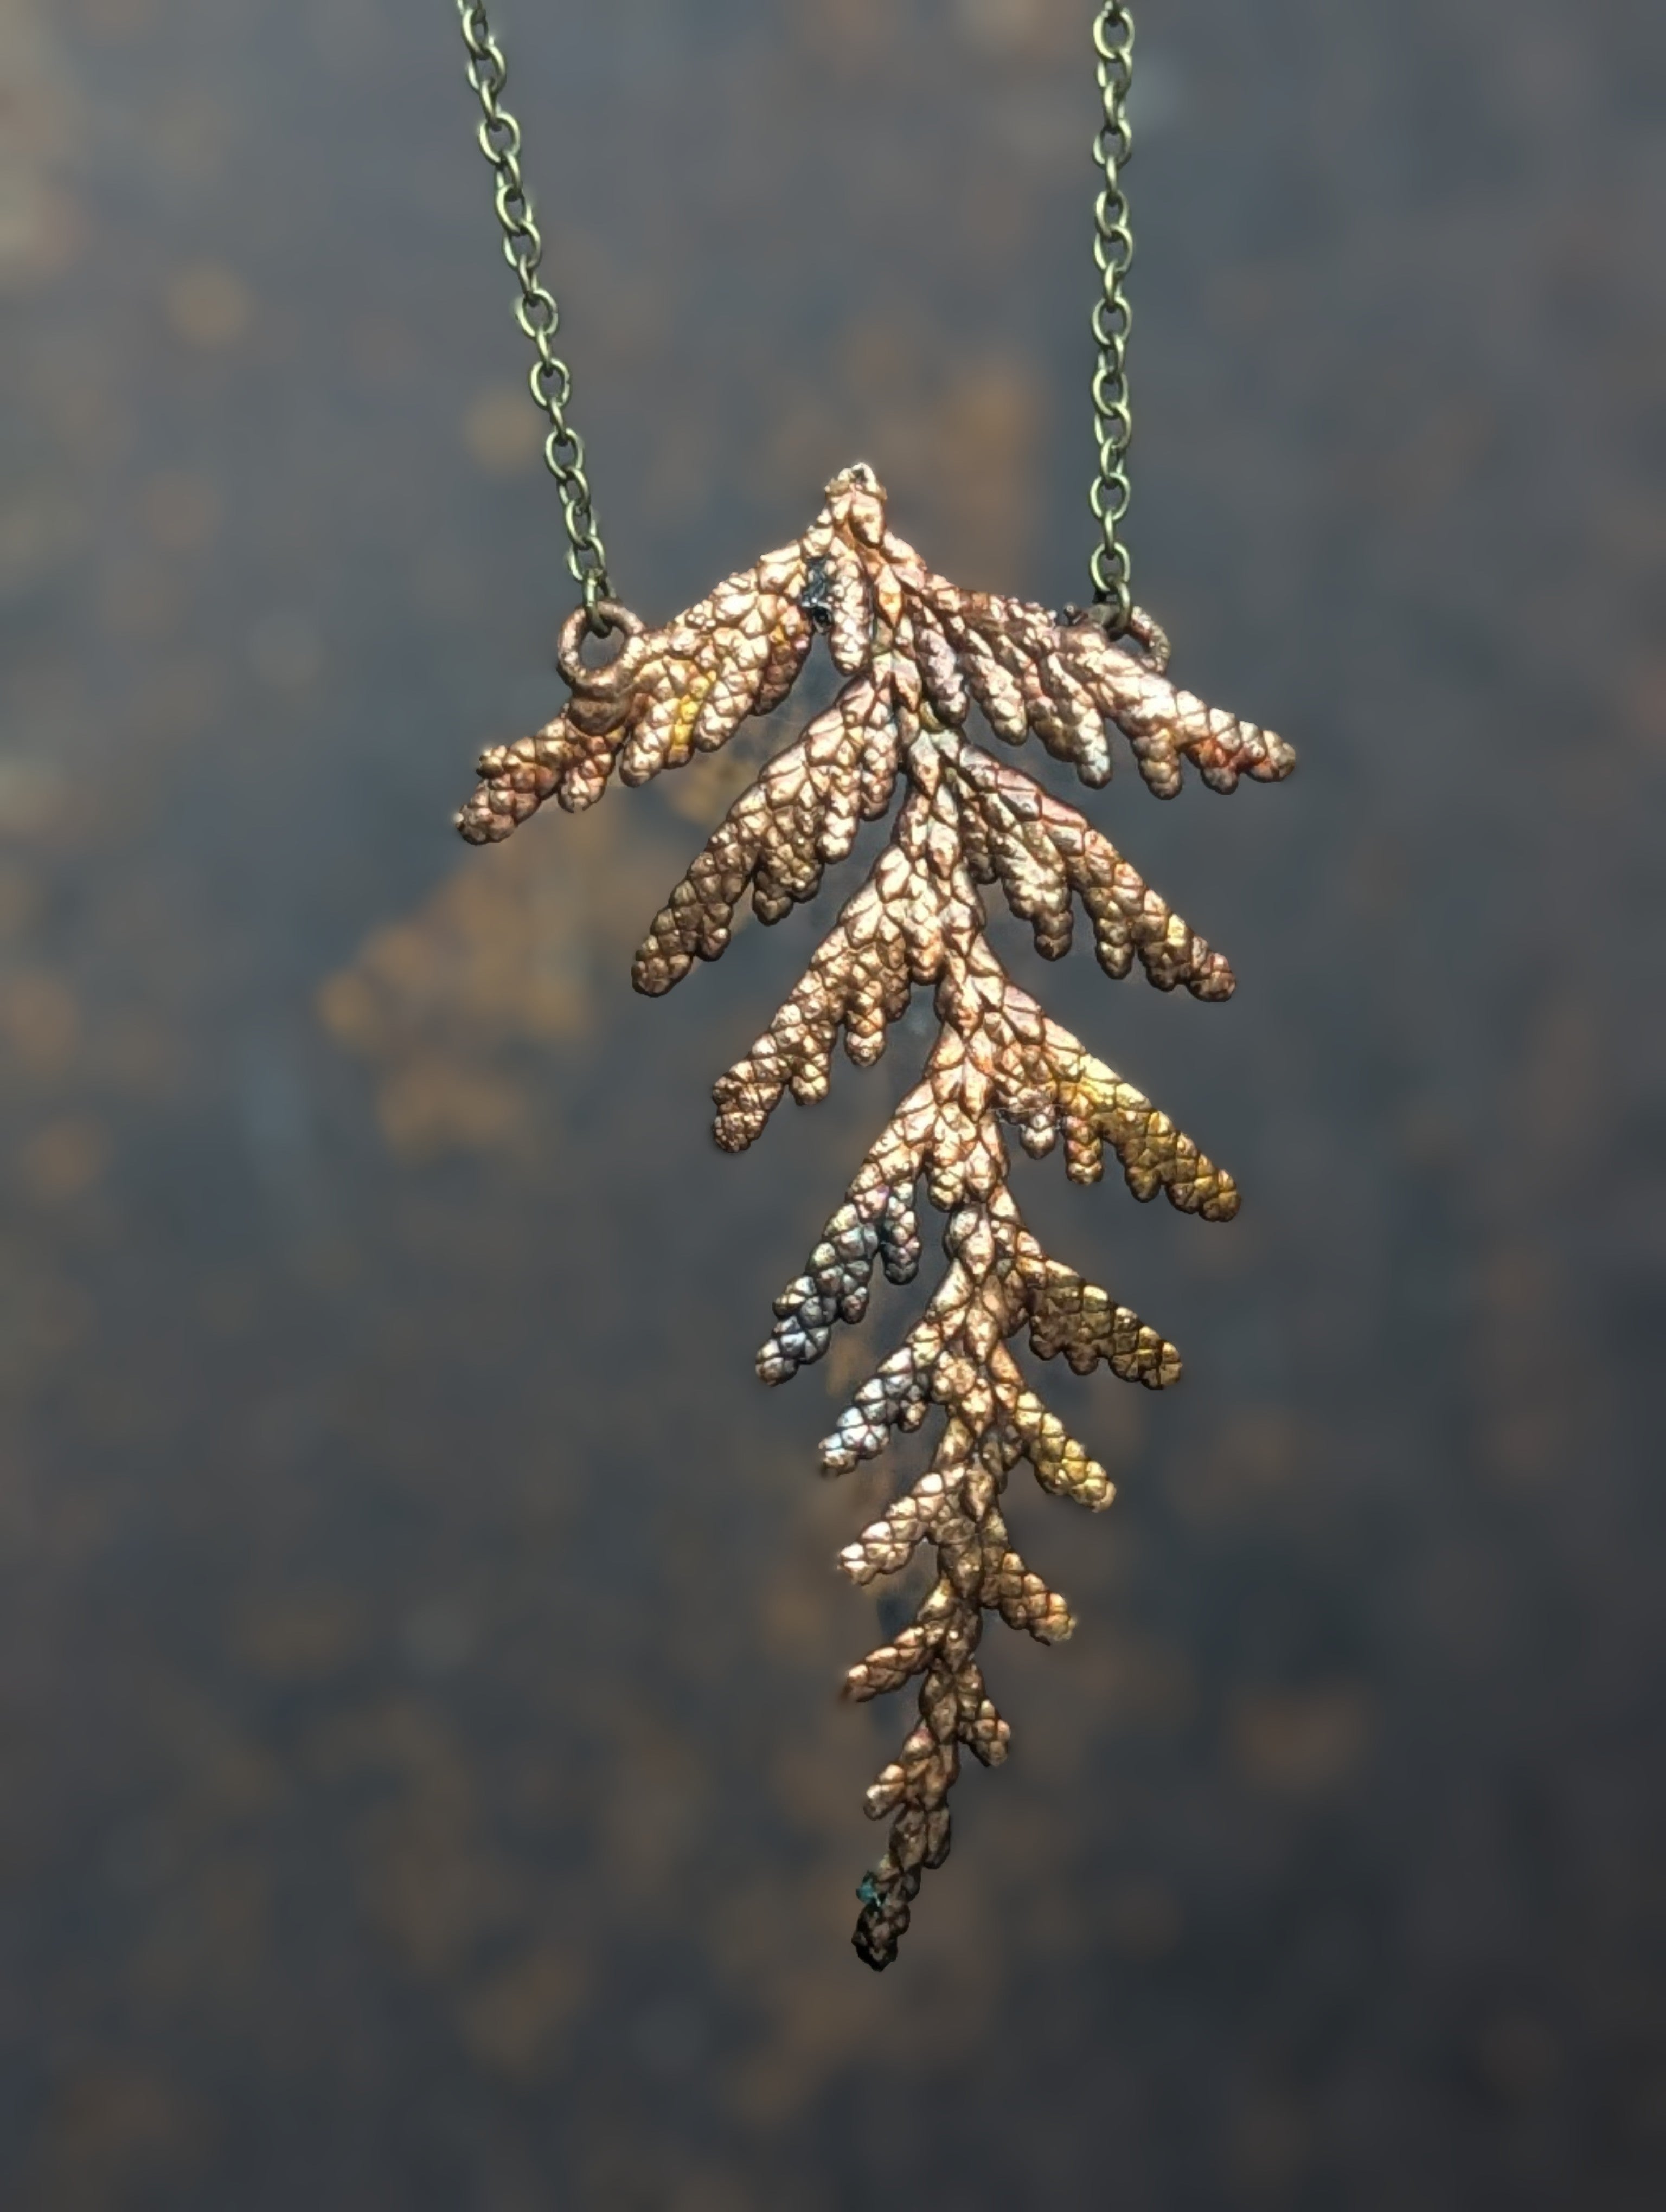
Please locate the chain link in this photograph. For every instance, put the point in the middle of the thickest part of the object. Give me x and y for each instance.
(550, 380)
(1113, 249)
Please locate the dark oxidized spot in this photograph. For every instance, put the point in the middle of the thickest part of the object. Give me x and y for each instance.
(817, 596)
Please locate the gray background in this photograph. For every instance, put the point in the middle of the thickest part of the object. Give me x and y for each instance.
(420, 1784)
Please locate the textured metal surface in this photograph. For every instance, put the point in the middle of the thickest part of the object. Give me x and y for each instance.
(916, 653)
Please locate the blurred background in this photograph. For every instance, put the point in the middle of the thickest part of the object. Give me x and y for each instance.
(421, 1782)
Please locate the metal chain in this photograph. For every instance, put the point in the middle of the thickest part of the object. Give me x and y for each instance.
(550, 380)
(1113, 249)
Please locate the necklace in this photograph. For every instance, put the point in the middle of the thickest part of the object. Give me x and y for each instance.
(916, 653)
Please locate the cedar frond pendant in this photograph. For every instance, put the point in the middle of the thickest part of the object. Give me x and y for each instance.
(917, 653)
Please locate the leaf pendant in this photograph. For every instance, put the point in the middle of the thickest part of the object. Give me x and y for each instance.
(917, 654)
